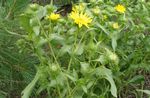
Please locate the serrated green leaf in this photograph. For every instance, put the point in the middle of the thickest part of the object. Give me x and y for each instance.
(107, 74)
(84, 88)
(41, 12)
(103, 28)
(75, 74)
(102, 59)
(36, 30)
(71, 77)
(79, 50)
(57, 37)
(28, 90)
(144, 91)
(65, 49)
(114, 43)
(84, 67)
(25, 22)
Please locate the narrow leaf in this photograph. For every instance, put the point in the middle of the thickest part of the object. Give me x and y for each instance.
(27, 91)
(145, 91)
(107, 74)
(114, 43)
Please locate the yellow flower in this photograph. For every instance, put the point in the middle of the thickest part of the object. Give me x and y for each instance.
(80, 19)
(53, 16)
(115, 25)
(120, 8)
(74, 15)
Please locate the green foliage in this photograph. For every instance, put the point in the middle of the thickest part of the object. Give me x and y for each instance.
(106, 58)
(81, 62)
(16, 69)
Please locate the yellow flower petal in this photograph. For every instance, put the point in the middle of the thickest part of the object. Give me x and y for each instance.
(53, 16)
(80, 19)
(120, 8)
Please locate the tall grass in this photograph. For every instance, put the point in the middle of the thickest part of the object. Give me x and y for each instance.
(15, 68)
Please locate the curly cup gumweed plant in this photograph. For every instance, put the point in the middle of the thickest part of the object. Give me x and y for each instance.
(60, 67)
(88, 57)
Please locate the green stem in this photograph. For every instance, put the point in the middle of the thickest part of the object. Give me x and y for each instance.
(75, 45)
(73, 90)
(13, 33)
(49, 45)
(142, 89)
(80, 42)
(69, 63)
(68, 87)
(81, 38)
(58, 88)
(51, 2)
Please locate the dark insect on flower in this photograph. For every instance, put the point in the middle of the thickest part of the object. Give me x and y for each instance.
(65, 9)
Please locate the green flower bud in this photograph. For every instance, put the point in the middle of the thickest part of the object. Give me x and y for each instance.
(33, 6)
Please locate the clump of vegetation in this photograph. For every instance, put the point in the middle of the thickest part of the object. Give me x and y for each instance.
(91, 49)
(89, 53)
(15, 68)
